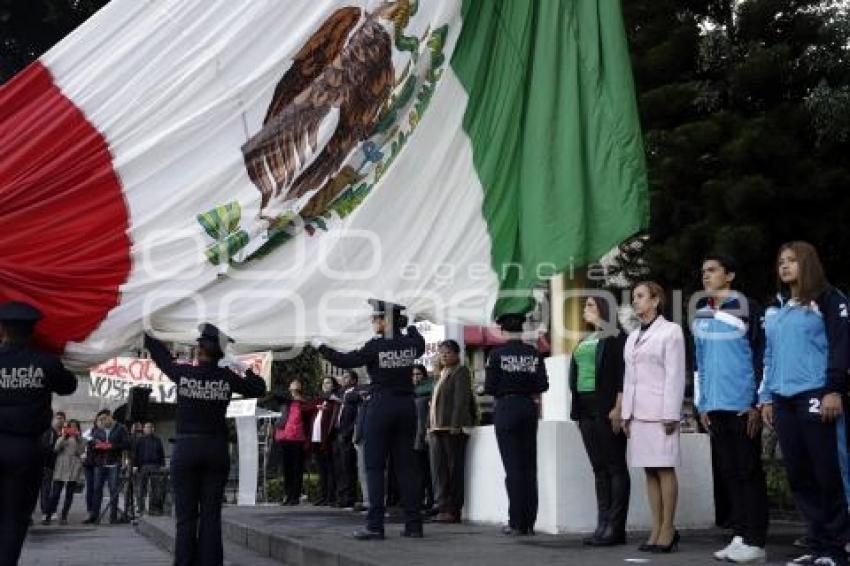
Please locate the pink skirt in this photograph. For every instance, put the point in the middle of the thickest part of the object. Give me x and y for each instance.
(651, 447)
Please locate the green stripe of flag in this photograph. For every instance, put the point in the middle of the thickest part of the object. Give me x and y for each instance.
(555, 132)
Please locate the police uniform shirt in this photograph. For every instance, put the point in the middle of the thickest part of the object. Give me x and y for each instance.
(28, 378)
(515, 368)
(389, 361)
(203, 391)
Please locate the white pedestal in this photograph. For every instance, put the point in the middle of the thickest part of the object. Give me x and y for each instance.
(246, 436)
(565, 483)
(556, 401)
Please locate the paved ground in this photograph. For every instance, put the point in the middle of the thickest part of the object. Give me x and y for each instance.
(328, 530)
(471, 545)
(82, 545)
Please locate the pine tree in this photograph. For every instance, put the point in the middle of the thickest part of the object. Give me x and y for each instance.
(746, 116)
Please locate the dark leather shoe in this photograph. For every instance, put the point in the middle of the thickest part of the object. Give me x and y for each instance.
(614, 540)
(510, 531)
(411, 533)
(366, 534)
(90, 521)
(589, 541)
(446, 518)
(646, 547)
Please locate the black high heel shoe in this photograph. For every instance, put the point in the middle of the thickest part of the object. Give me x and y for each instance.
(646, 547)
(672, 547)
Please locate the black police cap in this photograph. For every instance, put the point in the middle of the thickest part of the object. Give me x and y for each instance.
(211, 333)
(510, 319)
(18, 311)
(380, 308)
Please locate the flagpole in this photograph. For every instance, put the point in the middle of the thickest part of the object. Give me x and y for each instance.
(565, 323)
(566, 311)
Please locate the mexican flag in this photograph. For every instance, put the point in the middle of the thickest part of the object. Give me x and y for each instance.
(268, 166)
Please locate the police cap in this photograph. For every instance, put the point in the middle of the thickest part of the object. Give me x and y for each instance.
(381, 308)
(511, 321)
(211, 335)
(19, 312)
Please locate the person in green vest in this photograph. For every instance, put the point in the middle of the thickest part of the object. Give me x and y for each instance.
(596, 383)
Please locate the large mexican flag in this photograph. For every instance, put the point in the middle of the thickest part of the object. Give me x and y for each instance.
(269, 165)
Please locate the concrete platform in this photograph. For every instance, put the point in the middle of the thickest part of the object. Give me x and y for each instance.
(318, 536)
(76, 544)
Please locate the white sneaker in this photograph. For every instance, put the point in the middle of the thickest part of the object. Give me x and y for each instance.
(746, 554)
(803, 559)
(724, 553)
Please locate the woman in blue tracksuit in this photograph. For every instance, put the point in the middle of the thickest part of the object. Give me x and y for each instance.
(805, 367)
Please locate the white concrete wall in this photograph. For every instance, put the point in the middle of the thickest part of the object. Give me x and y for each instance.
(566, 487)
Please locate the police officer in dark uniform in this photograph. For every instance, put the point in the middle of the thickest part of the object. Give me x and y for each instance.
(391, 416)
(515, 376)
(201, 461)
(28, 378)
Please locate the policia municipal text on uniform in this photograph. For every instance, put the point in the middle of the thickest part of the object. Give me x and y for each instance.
(201, 461)
(28, 378)
(391, 414)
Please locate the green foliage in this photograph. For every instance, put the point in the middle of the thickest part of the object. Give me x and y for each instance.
(305, 365)
(746, 117)
(275, 489)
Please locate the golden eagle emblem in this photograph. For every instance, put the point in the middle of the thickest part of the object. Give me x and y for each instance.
(327, 103)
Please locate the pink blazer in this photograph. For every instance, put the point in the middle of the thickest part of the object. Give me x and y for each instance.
(654, 382)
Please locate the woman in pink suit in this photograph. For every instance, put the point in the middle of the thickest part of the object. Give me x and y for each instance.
(653, 390)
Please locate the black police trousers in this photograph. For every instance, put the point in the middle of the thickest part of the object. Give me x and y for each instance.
(199, 469)
(741, 474)
(810, 454)
(390, 430)
(21, 461)
(515, 420)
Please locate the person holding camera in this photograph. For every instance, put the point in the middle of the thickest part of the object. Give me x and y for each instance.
(390, 423)
(67, 471)
(48, 441)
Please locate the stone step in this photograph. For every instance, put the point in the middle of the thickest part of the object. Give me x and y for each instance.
(291, 550)
(160, 531)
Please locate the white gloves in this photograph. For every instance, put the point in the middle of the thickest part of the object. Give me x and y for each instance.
(229, 361)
